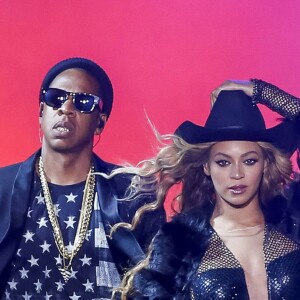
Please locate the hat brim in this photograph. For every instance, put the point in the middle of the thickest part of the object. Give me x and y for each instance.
(282, 136)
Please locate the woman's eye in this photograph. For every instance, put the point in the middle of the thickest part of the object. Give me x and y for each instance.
(222, 163)
(250, 161)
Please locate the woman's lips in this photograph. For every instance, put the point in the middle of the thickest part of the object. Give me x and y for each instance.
(237, 189)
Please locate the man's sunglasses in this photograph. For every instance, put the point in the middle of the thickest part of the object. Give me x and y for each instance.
(84, 102)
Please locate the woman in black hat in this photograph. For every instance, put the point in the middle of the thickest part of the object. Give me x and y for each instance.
(287, 106)
(264, 93)
(233, 237)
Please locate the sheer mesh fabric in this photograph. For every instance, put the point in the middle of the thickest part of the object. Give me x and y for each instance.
(220, 276)
(276, 99)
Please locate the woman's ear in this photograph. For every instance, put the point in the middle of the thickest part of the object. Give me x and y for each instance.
(206, 169)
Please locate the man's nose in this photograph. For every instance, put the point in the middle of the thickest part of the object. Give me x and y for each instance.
(68, 107)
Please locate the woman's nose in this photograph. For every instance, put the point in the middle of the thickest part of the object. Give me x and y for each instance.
(237, 171)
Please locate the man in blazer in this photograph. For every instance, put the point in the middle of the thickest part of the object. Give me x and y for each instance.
(56, 214)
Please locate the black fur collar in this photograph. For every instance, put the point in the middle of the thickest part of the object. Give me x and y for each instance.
(185, 239)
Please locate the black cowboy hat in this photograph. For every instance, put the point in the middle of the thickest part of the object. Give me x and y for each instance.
(235, 118)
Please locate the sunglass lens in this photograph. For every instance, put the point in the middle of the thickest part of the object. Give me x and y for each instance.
(55, 98)
(84, 103)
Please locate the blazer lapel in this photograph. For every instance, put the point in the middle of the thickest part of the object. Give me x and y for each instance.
(20, 197)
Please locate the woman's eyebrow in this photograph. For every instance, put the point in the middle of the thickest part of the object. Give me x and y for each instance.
(243, 155)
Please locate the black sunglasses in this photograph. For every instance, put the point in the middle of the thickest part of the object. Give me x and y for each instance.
(84, 102)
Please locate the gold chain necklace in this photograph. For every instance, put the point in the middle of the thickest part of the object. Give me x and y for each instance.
(84, 219)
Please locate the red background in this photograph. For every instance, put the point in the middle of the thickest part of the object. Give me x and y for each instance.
(163, 57)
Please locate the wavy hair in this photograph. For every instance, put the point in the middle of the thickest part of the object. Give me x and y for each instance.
(178, 162)
(277, 174)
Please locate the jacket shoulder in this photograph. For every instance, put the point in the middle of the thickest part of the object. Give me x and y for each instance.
(8, 174)
(10, 168)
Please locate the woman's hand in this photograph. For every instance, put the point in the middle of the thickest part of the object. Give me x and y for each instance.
(244, 85)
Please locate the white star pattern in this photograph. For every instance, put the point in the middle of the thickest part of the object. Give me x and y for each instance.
(26, 296)
(47, 272)
(70, 247)
(60, 286)
(74, 297)
(58, 260)
(88, 286)
(47, 297)
(33, 261)
(85, 260)
(12, 284)
(7, 295)
(73, 273)
(24, 273)
(28, 236)
(42, 222)
(38, 285)
(45, 246)
(41, 264)
(70, 222)
(71, 198)
(56, 209)
(40, 199)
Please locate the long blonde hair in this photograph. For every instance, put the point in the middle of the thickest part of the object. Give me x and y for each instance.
(177, 162)
(180, 162)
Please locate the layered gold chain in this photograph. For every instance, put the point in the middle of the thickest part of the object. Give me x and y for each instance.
(84, 219)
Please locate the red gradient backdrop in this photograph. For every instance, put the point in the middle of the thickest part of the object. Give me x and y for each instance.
(163, 57)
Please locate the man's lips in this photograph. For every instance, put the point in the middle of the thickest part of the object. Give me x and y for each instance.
(62, 128)
(237, 189)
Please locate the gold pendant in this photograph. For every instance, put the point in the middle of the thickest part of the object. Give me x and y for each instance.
(65, 273)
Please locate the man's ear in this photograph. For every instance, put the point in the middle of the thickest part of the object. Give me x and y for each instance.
(206, 169)
(41, 109)
(101, 123)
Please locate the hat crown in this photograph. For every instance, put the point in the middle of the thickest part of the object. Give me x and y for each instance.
(234, 109)
(234, 118)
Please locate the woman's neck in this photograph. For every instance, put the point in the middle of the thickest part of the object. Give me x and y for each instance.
(228, 218)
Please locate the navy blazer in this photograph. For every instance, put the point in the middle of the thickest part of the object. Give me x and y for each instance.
(15, 197)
